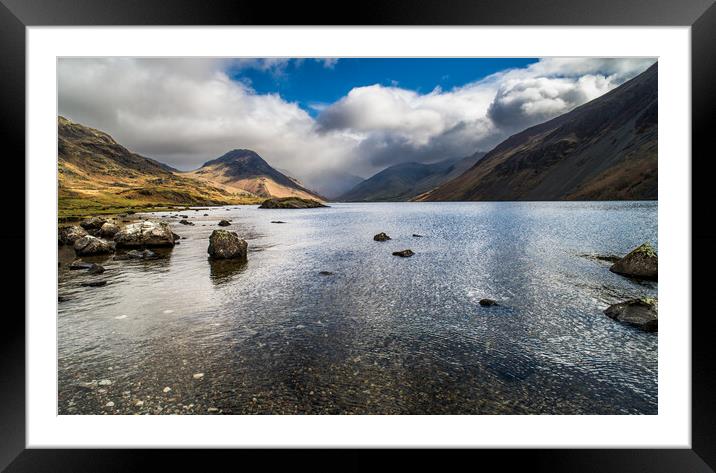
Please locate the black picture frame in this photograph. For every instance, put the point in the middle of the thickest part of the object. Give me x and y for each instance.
(700, 15)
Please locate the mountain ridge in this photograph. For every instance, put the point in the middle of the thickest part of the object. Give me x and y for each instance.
(605, 149)
(96, 174)
(244, 169)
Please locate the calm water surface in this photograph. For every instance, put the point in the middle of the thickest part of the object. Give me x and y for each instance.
(382, 335)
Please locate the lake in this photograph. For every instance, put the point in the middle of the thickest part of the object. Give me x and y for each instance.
(382, 334)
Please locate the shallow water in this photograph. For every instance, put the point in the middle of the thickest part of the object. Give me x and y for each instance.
(382, 335)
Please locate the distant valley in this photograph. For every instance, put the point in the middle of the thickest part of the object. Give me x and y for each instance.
(404, 181)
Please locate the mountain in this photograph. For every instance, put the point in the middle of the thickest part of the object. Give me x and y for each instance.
(404, 181)
(244, 170)
(605, 149)
(96, 173)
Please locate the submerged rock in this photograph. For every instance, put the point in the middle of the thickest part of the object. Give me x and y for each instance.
(326, 273)
(277, 221)
(381, 237)
(642, 263)
(606, 258)
(185, 222)
(224, 244)
(93, 223)
(108, 230)
(417, 236)
(90, 245)
(290, 203)
(70, 234)
(145, 234)
(488, 302)
(96, 269)
(136, 254)
(404, 253)
(94, 283)
(641, 313)
(79, 264)
(224, 223)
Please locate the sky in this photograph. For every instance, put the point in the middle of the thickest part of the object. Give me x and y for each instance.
(323, 119)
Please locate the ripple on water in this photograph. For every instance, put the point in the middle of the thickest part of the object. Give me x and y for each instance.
(381, 334)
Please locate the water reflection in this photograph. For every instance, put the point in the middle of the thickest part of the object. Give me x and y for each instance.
(222, 271)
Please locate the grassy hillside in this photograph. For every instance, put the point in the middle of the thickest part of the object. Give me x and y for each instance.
(98, 175)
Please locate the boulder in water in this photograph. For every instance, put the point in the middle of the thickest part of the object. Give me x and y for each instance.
(89, 245)
(488, 302)
(404, 253)
(641, 313)
(70, 234)
(93, 223)
(381, 237)
(108, 230)
(224, 244)
(641, 263)
(185, 222)
(224, 223)
(145, 234)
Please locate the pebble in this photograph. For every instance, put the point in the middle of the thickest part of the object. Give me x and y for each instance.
(212, 409)
(120, 317)
(139, 403)
(167, 389)
(198, 375)
(110, 404)
(168, 311)
(105, 382)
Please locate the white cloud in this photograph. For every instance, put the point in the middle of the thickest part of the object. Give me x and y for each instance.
(328, 62)
(186, 111)
(398, 125)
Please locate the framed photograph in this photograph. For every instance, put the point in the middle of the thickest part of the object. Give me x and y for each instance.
(433, 228)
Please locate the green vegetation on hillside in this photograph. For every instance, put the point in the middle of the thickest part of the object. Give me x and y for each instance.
(96, 175)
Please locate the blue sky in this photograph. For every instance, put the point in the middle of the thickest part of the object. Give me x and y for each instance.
(313, 84)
